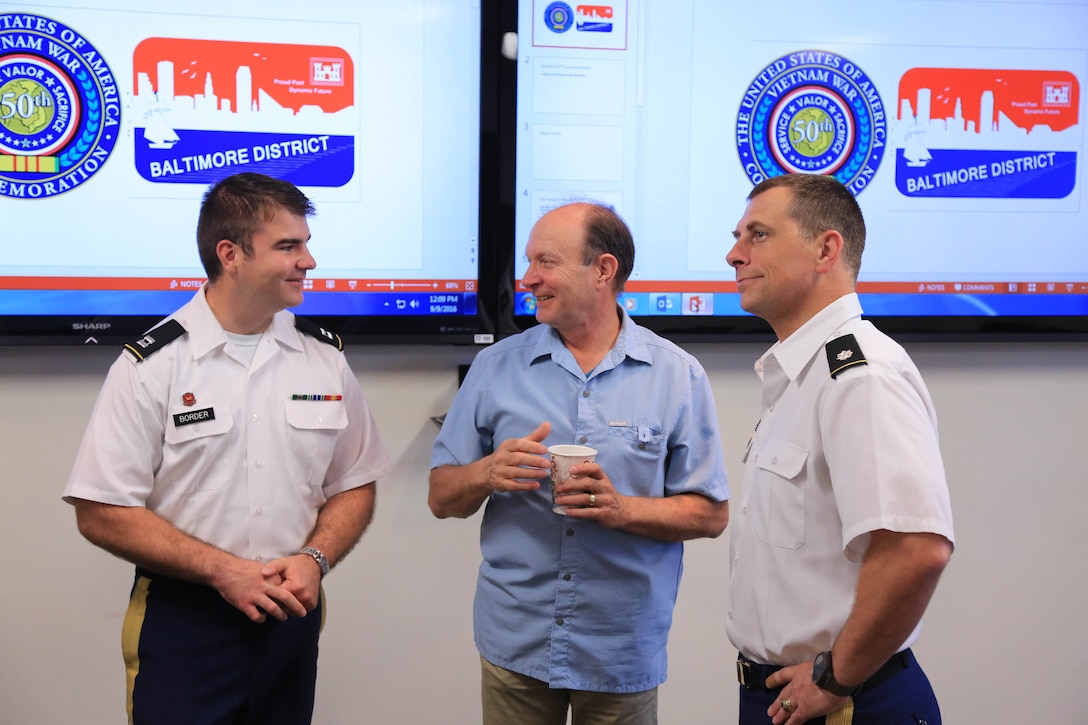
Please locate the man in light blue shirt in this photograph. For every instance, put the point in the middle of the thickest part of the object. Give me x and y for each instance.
(573, 611)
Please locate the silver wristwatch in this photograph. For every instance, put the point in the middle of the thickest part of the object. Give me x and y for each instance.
(318, 557)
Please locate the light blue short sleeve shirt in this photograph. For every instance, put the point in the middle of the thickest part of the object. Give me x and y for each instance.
(566, 601)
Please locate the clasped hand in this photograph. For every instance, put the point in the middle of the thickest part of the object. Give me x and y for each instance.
(286, 587)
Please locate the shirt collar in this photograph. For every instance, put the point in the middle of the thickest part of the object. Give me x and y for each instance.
(628, 344)
(206, 334)
(795, 352)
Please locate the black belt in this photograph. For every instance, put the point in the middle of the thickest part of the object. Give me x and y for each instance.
(754, 676)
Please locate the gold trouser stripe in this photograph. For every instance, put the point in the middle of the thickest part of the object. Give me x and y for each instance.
(130, 638)
(843, 716)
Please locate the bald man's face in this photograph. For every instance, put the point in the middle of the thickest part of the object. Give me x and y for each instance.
(566, 289)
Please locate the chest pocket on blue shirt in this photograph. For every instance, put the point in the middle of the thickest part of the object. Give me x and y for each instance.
(780, 492)
(313, 426)
(643, 447)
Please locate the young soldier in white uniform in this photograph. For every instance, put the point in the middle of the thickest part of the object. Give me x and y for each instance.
(232, 458)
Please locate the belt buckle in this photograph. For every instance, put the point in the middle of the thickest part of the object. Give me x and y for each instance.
(744, 673)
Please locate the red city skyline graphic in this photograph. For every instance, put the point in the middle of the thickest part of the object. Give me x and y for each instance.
(292, 75)
(1027, 97)
(595, 11)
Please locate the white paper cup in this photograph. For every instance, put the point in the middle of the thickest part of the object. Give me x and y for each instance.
(563, 457)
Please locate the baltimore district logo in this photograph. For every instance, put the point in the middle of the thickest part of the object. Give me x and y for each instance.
(812, 112)
(59, 108)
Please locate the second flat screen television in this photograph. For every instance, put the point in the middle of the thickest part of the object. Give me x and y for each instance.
(959, 126)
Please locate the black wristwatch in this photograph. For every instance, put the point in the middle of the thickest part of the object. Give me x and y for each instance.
(824, 676)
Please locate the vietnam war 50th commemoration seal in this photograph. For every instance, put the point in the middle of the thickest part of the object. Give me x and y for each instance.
(812, 112)
(60, 110)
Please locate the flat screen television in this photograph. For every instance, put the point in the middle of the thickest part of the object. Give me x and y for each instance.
(959, 126)
(117, 115)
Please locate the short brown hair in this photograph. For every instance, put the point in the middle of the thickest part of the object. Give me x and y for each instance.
(235, 208)
(820, 204)
(608, 233)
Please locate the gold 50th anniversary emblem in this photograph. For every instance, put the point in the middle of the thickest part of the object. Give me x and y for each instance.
(812, 112)
(59, 108)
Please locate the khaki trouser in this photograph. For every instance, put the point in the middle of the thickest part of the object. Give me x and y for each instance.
(509, 697)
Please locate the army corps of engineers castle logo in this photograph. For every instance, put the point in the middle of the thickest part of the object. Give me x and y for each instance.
(812, 112)
(59, 108)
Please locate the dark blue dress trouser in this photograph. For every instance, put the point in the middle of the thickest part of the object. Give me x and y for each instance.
(906, 698)
(193, 659)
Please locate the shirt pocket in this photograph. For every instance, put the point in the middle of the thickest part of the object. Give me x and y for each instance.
(780, 483)
(641, 448)
(199, 448)
(312, 430)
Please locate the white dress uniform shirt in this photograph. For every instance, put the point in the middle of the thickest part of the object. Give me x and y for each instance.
(831, 460)
(239, 455)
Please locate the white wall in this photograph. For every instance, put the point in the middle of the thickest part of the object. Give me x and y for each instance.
(1005, 641)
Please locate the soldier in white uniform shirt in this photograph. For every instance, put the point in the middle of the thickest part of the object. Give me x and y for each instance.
(844, 523)
(232, 458)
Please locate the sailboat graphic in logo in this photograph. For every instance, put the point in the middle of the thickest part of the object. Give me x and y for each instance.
(915, 151)
(157, 130)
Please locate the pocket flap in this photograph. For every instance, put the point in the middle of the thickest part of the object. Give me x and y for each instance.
(782, 458)
(316, 414)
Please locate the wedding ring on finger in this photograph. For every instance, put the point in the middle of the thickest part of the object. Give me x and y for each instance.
(592, 499)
